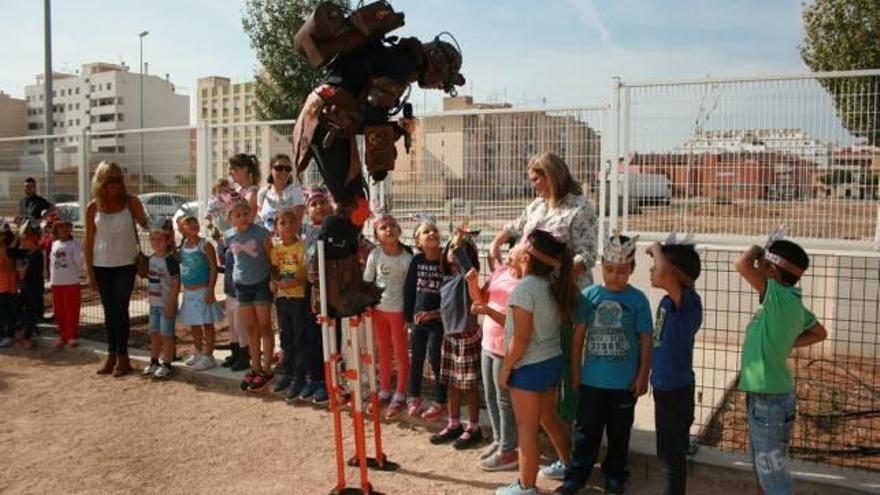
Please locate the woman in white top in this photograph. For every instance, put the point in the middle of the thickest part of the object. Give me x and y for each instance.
(281, 193)
(110, 250)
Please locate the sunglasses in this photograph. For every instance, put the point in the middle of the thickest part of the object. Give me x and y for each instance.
(282, 168)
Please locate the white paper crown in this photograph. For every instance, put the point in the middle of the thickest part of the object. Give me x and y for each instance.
(682, 240)
(427, 218)
(776, 234)
(617, 252)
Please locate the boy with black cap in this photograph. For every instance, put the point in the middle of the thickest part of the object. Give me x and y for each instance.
(782, 322)
(678, 318)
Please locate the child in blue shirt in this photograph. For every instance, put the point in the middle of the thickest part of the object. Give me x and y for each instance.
(678, 318)
(615, 321)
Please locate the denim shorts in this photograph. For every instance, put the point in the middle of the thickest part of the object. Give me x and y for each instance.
(159, 323)
(252, 295)
(771, 418)
(538, 377)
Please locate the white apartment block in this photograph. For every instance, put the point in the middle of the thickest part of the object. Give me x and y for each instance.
(781, 140)
(105, 98)
(220, 101)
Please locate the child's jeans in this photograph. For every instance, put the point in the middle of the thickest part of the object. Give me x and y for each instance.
(674, 415)
(771, 418)
(299, 344)
(389, 330)
(66, 303)
(600, 411)
(7, 323)
(427, 338)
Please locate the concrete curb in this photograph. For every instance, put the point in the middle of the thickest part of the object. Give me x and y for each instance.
(642, 442)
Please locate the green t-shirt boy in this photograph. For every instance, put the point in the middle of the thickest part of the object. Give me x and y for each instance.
(770, 336)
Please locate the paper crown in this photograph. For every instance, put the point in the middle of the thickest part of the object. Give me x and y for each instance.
(620, 252)
(676, 239)
(776, 234)
(316, 192)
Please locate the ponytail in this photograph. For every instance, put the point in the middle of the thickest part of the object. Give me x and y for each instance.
(561, 277)
(250, 162)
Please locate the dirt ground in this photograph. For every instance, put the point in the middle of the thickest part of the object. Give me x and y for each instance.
(838, 421)
(67, 430)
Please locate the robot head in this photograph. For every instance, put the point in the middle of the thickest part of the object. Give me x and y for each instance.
(442, 63)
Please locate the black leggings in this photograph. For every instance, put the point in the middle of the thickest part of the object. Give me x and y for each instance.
(115, 286)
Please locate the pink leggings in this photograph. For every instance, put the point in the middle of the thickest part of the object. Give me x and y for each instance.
(389, 330)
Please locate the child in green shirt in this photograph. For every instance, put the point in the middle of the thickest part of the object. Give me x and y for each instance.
(782, 322)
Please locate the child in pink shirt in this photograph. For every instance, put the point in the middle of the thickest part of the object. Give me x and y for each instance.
(491, 301)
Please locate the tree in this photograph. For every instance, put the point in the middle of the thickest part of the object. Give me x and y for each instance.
(284, 79)
(845, 35)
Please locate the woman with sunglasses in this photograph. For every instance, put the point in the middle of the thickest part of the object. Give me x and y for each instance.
(281, 193)
(111, 246)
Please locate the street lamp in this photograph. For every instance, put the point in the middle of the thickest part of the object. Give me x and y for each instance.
(141, 36)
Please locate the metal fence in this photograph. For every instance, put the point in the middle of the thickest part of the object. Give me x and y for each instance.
(735, 157)
(837, 382)
(725, 159)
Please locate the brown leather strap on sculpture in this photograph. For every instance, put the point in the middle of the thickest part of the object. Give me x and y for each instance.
(380, 152)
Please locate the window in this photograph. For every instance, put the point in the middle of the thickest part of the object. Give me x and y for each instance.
(77, 91)
(119, 100)
(41, 97)
(109, 86)
(119, 117)
(77, 121)
(70, 106)
(77, 106)
(204, 92)
(69, 122)
(33, 126)
(92, 87)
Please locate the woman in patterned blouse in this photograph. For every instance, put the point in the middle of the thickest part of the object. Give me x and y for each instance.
(560, 208)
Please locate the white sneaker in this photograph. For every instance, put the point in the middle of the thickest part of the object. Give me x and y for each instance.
(204, 362)
(191, 360)
(555, 471)
(150, 369)
(162, 372)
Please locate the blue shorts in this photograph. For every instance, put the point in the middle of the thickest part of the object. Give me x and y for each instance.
(771, 418)
(538, 377)
(252, 295)
(160, 324)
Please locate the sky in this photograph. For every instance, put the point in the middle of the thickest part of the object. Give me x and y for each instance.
(528, 53)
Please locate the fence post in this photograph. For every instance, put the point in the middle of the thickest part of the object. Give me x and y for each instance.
(204, 172)
(624, 153)
(613, 153)
(84, 174)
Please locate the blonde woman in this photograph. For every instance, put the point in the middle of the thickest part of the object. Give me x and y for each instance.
(110, 249)
(562, 210)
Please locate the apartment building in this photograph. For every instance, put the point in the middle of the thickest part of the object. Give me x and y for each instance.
(105, 99)
(479, 152)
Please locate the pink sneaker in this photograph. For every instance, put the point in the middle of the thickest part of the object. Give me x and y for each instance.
(413, 407)
(432, 412)
(394, 408)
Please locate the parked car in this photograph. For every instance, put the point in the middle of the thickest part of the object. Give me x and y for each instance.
(69, 211)
(162, 205)
(186, 209)
(61, 197)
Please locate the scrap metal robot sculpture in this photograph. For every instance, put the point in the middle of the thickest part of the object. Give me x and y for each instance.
(367, 83)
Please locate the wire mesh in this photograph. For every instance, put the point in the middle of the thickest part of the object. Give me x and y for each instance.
(738, 157)
(837, 382)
